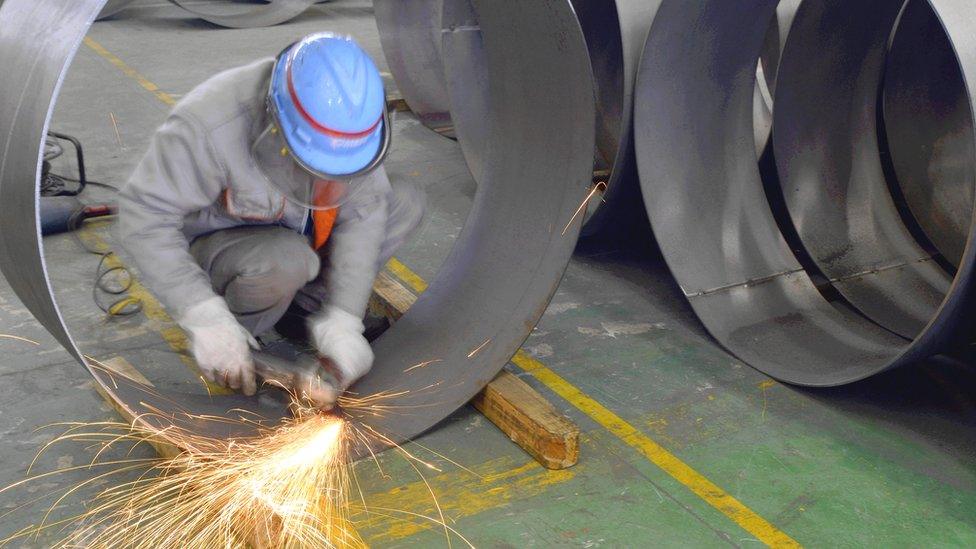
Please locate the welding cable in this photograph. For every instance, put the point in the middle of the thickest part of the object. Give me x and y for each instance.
(53, 184)
(125, 305)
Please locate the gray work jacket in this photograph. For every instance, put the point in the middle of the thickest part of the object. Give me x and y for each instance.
(198, 176)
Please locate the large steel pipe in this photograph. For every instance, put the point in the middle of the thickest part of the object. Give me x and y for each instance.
(112, 7)
(615, 56)
(466, 80)
(825, 137)
(493, 287)
(929, 129)
(615, 33)
(410, 32)
(779, 29)
(715, 226)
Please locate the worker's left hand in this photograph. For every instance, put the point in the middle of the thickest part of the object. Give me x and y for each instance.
(338, 336)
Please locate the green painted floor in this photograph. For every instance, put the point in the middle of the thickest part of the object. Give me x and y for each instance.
(682, 445)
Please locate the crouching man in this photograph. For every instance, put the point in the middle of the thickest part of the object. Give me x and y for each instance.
(265, 189)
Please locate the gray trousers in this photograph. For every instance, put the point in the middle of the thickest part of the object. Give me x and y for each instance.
(260, 269)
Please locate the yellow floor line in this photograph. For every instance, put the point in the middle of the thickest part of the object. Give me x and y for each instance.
(404, 273)
(499, 482)
(748, 519)
(655, 453)
(130, 72)
(154, 311)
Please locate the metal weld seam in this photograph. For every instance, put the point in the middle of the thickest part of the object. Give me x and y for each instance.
(750, 282)
(880, 269)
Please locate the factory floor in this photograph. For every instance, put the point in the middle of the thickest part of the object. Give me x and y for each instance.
(682, 445)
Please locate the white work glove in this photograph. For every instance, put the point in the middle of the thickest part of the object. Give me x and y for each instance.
(338, 336)
(220, 345)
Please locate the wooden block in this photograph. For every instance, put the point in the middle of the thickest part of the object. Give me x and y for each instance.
(390, 297)
(396, 103)
(120, 366)
(516, 408)
(530, 421)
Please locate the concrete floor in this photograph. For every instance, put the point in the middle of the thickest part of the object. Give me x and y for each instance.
(674, 428)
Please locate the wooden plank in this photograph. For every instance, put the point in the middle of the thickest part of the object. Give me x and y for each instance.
(390, 297)
(397, 103)
(530, 421)
(513, 405)
(120, 366)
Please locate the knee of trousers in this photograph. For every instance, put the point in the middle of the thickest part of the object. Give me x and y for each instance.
(278, 270)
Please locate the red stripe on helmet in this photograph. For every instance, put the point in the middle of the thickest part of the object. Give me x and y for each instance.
(319, 127)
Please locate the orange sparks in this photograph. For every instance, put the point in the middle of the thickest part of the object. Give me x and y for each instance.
(422, 364)
(288, 486)
(479, 348)
(598, 188)
(18, 338)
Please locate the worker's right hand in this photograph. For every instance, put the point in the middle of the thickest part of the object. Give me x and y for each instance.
(220, 345)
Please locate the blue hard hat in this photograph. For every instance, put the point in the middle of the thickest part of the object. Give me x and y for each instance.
(327, 97)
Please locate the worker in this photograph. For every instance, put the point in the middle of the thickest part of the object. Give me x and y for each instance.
(264, 189)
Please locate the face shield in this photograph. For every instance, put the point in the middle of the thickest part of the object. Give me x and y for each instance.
(311, 164)
(298, 184)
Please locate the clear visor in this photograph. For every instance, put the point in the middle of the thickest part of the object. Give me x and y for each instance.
(285, 175)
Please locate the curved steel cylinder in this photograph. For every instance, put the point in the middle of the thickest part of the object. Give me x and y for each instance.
(112, 7)
(779, 29)
(825, 137)
(929, 129)
(772, 51)
(713, 221)
(615, 33)
(273, 13)
(466, 80)
(493, 287)
(615, 56)
(410, 32)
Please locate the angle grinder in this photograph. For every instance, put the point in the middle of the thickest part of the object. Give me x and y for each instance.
(308, 378)
(60, 214)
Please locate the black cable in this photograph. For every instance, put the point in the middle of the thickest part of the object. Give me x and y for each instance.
(89, 182)
(53, 184)
(79, 158)
(124, 306)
